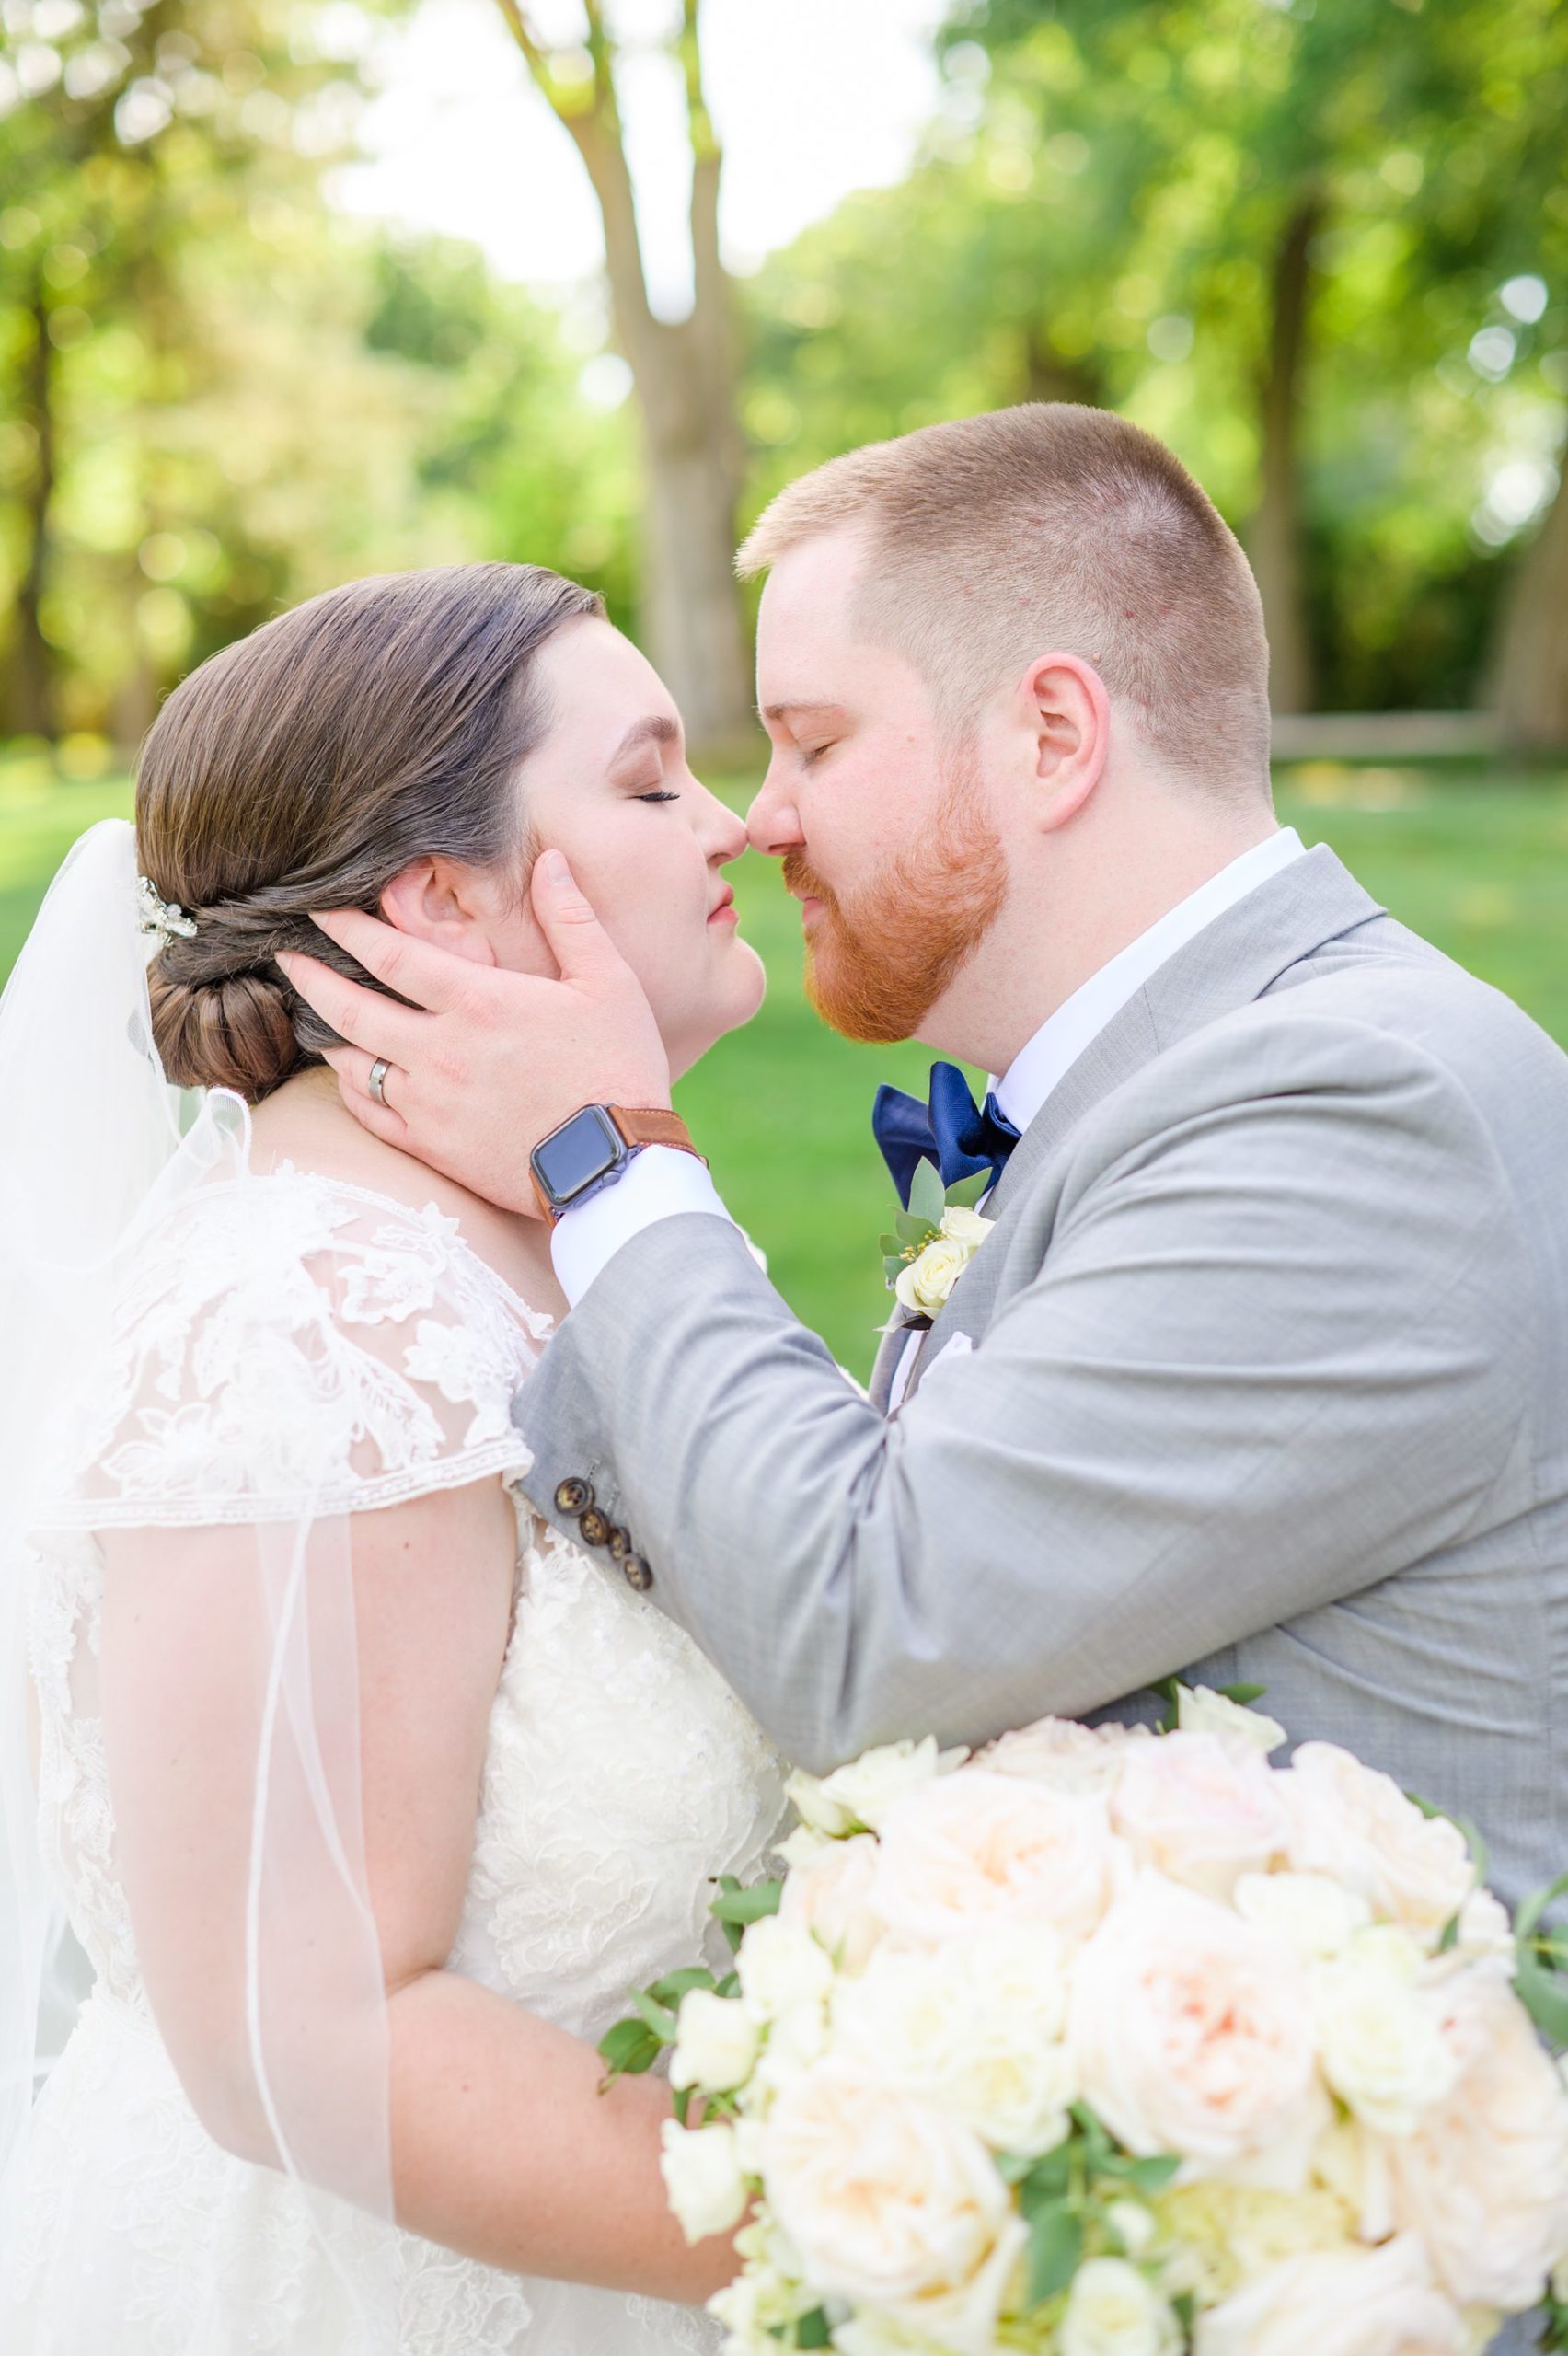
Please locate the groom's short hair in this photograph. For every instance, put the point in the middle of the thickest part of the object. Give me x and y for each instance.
(997, 538)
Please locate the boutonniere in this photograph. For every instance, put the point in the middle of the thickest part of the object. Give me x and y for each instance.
(933, 1241)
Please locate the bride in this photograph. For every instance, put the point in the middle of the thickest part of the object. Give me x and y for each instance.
(366, 1799)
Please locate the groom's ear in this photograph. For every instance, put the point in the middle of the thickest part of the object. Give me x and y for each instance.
(439, 901)
(1066, 714)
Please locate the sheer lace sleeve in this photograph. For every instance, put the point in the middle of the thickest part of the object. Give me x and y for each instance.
(294, 1346)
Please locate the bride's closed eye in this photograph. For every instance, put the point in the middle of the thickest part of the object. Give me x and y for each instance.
(665, 793)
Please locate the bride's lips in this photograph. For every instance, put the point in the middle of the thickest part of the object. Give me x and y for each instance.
(724, 911)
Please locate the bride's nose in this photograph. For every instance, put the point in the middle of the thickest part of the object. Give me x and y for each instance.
(722, 834)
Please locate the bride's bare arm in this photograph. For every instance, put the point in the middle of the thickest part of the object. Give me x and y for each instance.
(502, 2146)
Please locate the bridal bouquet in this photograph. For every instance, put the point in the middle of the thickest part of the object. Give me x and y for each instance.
(1112, 2043)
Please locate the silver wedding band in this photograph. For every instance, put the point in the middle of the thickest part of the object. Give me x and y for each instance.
(376, 1083)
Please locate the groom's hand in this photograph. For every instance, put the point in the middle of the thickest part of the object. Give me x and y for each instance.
(483, 1063)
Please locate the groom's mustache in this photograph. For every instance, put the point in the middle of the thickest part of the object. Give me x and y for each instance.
(803, 880)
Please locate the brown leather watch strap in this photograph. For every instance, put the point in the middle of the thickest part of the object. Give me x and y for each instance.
(644, 1125)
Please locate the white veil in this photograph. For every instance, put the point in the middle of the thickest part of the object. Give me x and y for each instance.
(95, 1155)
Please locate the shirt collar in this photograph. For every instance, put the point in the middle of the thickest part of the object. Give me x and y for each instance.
(1078, 1021)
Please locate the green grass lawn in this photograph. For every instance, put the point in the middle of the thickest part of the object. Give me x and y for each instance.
(1478, 863)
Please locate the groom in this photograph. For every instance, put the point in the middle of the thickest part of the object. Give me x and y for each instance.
(1260, 1372)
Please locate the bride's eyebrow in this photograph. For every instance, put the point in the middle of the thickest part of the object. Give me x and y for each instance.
(657, 729)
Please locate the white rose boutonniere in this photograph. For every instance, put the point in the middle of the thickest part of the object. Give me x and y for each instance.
(932, 1243)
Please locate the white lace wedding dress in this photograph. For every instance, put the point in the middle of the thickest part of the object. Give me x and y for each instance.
(287, 1328)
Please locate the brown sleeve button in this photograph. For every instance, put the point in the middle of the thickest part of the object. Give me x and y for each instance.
(621, 1545)
(595, 1527)
(638, 1575)
(574, 1495)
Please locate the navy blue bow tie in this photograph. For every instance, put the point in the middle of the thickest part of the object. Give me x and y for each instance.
(953, 1131)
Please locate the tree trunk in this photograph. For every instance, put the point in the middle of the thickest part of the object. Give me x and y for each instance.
(687, 381)
(1532, 655)
(1273, 538)
(32, 657)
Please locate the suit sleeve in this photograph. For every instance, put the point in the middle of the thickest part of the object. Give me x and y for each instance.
(1271, 1357)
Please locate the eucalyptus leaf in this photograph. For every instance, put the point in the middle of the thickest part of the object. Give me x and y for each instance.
(660, 2019)
(928, 1196)
(967, 1195)
(677, 1984)
(1242, 1695)
(914, 1231)
(629, 2048)
(1055, 2245)
(1544, 1995)
(737, 1906)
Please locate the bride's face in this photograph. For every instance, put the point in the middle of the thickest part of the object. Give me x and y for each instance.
(610, 787)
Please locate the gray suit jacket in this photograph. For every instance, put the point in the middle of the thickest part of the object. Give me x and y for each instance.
(1269, 1382)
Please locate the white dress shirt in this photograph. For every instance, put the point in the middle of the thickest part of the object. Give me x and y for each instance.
(661, 1182)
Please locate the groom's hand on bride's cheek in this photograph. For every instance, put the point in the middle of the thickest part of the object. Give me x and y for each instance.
(482, 1063)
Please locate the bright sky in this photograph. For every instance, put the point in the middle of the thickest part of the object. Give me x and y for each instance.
(813, 98)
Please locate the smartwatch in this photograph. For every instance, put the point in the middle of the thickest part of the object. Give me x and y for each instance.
(594, 1148)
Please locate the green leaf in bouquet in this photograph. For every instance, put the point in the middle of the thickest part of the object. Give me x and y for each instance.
(730, 1985)
(927, 1195)
(968, 1193)
(736, 1907)
(1185, 2309)
(1242, 1695)
(1097, 2145)
(629, 2048)
(892, 1269)
(1544, 1995)
(659, 2019)
(682, 2103)
(1169, 1692)
(677, 1984)
(912, 1233)
(1055, 2245)
(814, 2331)
(1154, 2174)
(891, 1246)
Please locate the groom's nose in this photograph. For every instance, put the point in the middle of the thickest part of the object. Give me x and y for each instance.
(773, 823)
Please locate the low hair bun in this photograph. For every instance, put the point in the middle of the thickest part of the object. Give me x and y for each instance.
(229, 1030)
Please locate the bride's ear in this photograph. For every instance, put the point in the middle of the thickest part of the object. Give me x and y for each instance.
(439, 901)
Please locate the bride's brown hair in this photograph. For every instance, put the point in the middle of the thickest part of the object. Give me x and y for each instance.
(307, 766)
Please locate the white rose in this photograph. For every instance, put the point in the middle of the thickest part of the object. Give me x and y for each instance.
(1380, 2032)
(976, 2027)
(980, 1850)
(702, 2178)
(1484, 2180)
(1200, 1710)
(924, 1284)
(888, 2203)
(801, 1844)
(1113, 2310)
(1134, 2226)
(1191, 2033)
(1311, 1914)
(861, 1794)
(716, 2043)
(781, 1966)
(830, 1895)
(1200, 1809)
(1356, 1825)
(1351, 2303)
(1064, 1754)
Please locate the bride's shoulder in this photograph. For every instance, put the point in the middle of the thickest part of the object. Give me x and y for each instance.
(286, 1330)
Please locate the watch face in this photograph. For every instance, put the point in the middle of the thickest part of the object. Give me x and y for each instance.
(582, 1150)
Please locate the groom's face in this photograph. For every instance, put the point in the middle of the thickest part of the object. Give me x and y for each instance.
(882, 826)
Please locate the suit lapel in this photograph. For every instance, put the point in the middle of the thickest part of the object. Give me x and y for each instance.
(890, 1352)
(1234, 960)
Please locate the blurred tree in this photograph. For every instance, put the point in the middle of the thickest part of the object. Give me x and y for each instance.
(238, 397)
(685, 371)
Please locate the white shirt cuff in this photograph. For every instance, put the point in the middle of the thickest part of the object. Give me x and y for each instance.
(661, 1183)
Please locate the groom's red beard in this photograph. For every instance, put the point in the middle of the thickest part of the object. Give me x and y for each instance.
(878, 960)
